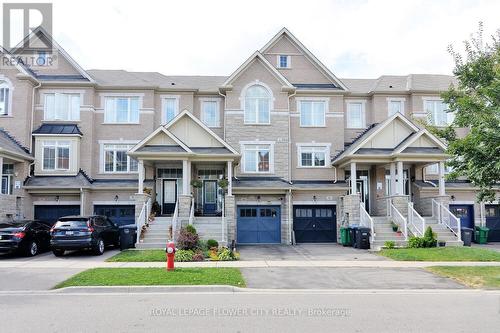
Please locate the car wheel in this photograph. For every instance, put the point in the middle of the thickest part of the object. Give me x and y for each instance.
(99, 248)
(58, 253)
(31, 249)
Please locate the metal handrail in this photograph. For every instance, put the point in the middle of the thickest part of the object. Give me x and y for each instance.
(444, 216)
(142, 220)
(415, 220)
(175, 217)
(366, 220)
(400, 220)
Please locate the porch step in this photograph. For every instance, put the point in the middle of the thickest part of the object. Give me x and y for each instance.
(142, 246)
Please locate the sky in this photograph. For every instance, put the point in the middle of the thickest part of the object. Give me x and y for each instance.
(354, 38)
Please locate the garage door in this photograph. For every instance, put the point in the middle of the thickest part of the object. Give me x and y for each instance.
(53, 212)
(258, 224)
(315, 224)
(492, 214)
(465, 213)
(119, 214)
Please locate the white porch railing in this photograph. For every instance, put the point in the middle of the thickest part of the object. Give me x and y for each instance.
(365, 220)
(398, 218)
(444, 216)
(223, 224)
(416, 223)
(191, 212)
(143, 218)
(175, 218)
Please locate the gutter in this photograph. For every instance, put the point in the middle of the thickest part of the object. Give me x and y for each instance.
(290, 139)
(33, 115)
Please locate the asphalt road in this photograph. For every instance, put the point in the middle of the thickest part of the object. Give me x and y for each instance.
(278, 311)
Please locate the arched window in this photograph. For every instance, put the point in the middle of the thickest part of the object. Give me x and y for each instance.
(257, 105)
(4, 98)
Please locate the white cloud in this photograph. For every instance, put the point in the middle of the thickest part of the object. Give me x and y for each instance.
(353, 38)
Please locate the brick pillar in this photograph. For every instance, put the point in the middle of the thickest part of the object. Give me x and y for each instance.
(184, 210)
(140, 199)
(350, 208)
(230, 218)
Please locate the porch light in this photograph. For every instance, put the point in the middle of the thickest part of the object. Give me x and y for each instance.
(116, 197)
(314, 198)
(57, 198)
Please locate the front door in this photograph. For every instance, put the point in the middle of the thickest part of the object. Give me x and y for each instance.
(465, 213)
(209, 197)
(169, 195)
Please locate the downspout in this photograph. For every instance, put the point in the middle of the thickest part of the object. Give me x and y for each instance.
(224, 115)
(290, 140)
(290, 217)
(33, 115)
(334, 175)
(82, 202)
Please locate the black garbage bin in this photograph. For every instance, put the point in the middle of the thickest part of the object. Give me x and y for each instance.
(128, 236)
(467, 236)
(352, 234)
(363, 238)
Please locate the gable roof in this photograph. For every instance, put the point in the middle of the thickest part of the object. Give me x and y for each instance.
(257, 55)
(10, 146)
(311, 57)
(143, 143)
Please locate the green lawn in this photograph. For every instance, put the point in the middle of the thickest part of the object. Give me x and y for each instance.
(475, 277)
(155, 277)
(139, 256)
(451, 253)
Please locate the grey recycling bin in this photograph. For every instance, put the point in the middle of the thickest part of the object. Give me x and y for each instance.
(128, 236)
(363, 238)
(352, 233)
(466, 234)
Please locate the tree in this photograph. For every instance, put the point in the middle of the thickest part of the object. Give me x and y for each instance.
(475, 100)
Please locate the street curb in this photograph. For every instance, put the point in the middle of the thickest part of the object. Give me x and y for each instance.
(147, 289)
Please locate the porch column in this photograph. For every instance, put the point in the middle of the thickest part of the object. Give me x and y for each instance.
(185, 177)
(441, 178)
(393, 178)
(140, 169)
(400, 178)
(353, 177)
(229, 178)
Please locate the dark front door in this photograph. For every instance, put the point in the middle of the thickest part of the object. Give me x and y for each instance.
(169, 196)
(315, 224)
(258, 224)
(51, 213)
(209, 197)
(118, 214)
(492, 213)
(465, 213)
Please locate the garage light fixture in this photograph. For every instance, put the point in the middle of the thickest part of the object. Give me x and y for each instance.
(57, 198)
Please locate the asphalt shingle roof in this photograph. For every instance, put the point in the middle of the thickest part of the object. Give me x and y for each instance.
(10, 144)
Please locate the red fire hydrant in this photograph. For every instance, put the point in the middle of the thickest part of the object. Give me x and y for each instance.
(170, 256)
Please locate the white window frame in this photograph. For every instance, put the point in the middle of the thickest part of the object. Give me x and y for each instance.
(288, 61)
(363, 114)
(115, 98)
(243, 149)
(393, 99)
(450, 116)
(6, 84)
(112, 146)
(164, 98)
(202, 113)
(70, 111)
(313, 101)
(243, 97)
(9, 177)
(57, 144)
(313, 148)
(433, 169)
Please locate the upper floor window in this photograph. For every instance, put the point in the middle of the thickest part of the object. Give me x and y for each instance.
(257, 105)
(395, 106)
(312, 113)
(121, 110)
(437, 113)
(7, 178)
(170, 108)
(257, 158)
(284, 61)
(355, 115)
(62, 106)
(210, 113)
(117, 160)
(4, 99)
(314, 156)
(56, 155)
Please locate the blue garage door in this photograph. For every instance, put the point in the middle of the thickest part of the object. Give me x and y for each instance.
(52, 213)
(119, 214)
(465, 213)
(493, 222)
(258, 224)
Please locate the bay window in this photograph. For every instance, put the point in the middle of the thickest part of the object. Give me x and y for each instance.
(116, 159)
(56, 155)
(313, 156)
(121, 110)
(62, 106)
(312, 113)
(257, 158)
(257, 105)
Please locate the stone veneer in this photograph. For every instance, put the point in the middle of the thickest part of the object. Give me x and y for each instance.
(230, 218)
(8, 208)
(350, 208)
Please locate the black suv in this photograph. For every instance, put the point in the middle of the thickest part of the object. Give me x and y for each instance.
(26, 237)
(82, 233)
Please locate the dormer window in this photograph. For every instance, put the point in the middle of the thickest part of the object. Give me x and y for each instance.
(284, 61)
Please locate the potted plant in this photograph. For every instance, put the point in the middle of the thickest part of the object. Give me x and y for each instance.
(148, 190)
(196, 183)
(223, 183)
(394, 226)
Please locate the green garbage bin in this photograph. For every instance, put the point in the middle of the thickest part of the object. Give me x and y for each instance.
(345, 236)
(481, 235)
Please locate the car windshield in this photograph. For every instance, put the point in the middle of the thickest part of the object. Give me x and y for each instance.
(71, 224)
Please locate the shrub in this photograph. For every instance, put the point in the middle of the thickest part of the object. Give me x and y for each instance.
(198, 256)
(389, 244)
(429, 238)
(202, 245)
(191, 229)
(415, 242)
(184, 255)
(224, 254)
(212, 243)
(187, 240)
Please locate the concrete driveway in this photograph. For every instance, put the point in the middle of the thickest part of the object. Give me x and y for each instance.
(305, 252)
(345, 278)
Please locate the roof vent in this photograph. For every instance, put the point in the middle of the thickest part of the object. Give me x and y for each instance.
(173, 83)
(390, 87)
